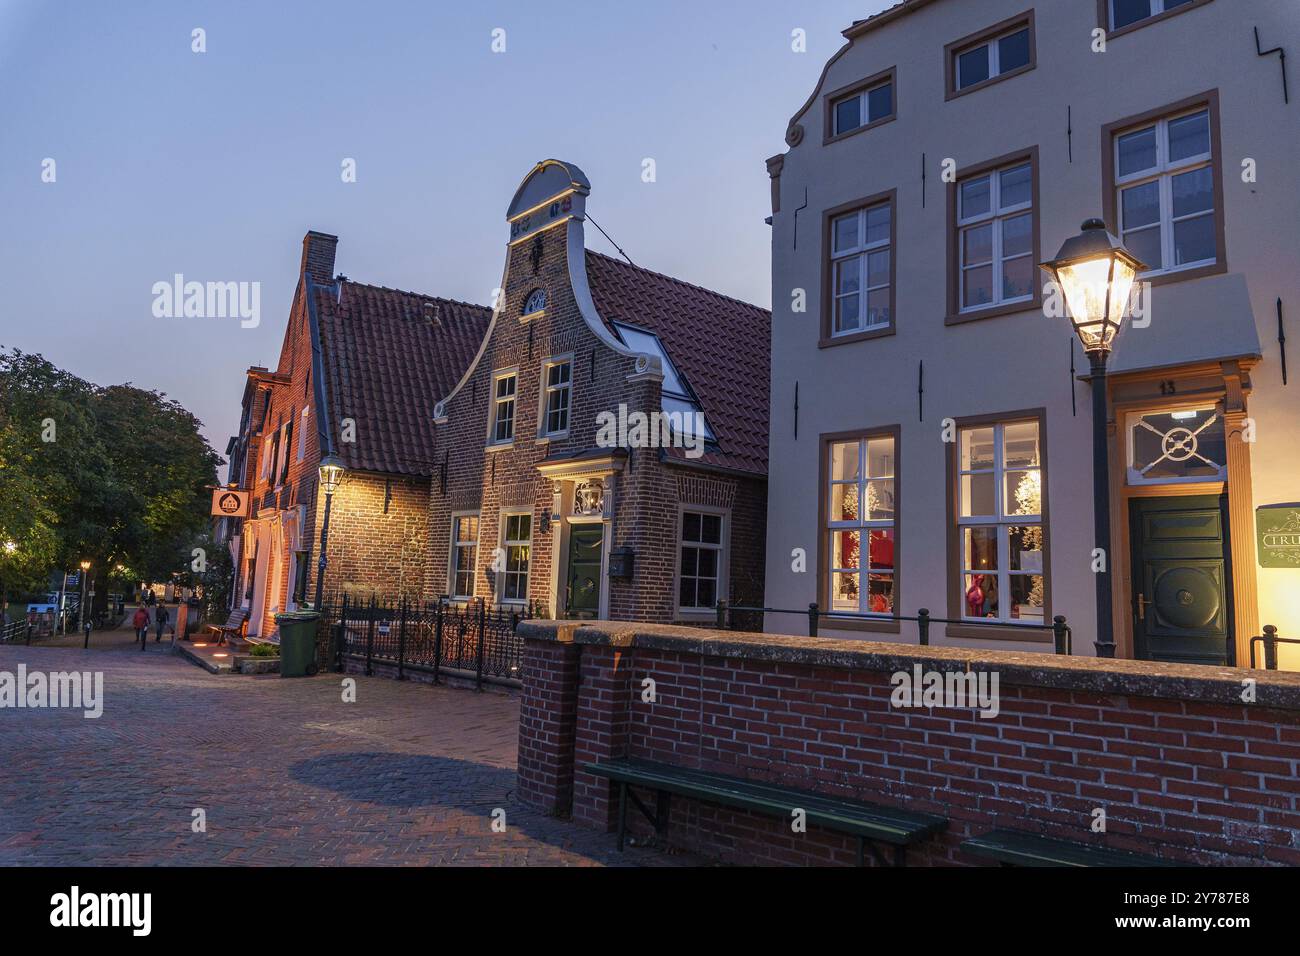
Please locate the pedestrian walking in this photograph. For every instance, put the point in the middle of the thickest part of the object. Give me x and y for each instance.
(141, 624)
(160, 620)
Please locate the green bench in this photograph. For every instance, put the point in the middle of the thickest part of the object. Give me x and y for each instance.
(871, 824)
(1014, 848)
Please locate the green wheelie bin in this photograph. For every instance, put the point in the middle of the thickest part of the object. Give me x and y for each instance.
(297, 643)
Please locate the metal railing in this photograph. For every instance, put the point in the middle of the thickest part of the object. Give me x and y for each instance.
(1061, 636)
(467, 640)
(1270, 640)
(14, 632)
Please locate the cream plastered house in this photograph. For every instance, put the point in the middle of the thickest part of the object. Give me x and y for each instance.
(931, 412)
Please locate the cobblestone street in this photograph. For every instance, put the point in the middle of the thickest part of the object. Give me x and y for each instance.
(284, 770)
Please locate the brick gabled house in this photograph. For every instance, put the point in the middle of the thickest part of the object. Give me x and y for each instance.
(541, 497)
(359, 370)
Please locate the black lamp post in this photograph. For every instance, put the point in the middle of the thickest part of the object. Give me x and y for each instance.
(331, 473)
(81, 610)
(1095, 274)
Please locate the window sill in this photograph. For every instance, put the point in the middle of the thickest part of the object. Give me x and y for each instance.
(839, 137)
(529, 316)
(1182, 275)
(885, 625)
(500, 446)
(831, 341)
(994, 311)
(1147, 21)
(998, 632)
(991, 81)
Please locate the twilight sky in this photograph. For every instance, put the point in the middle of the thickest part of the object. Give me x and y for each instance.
(214, 164)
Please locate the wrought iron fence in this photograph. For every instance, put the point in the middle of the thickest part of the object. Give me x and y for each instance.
(468, 640)
(734, 618)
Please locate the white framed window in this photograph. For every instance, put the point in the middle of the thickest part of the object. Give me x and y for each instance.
(862, 108)
(557, 390)
(464, 554)
(992, 57)
(1171, 446)
(265, 468)
(1165, 192)
(1000, 526)
(1125, 12)
(861, 525)
(862, 270)
(995, 237)
(516, 542)
(302, 432)
(501, 424)
(286, 441)
(700, 571)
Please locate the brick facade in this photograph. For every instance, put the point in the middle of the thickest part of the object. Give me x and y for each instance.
(357, 339)
(644, 488)
(1183, 769)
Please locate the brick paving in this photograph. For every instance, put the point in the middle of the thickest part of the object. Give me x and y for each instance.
(286, 772)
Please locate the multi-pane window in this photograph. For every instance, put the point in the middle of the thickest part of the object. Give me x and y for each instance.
(556, 390)
(861, 270)
(862, 108)
(516, 540)
(1164, 180)
(1124, 12)
(701, 544)
(995, 237)
(861, 523)
(1000, 522)
(991, 57)
(503, 407)
(464, 551)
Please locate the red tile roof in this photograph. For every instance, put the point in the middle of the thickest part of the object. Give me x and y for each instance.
(387, 356)
(721, 345)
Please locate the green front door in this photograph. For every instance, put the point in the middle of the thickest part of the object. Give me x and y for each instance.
(1182, 595)
(582, 595)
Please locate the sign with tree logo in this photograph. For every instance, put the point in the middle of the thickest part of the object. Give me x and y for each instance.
(1277, 535)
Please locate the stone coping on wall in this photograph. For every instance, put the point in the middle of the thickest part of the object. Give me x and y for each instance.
(1223, 685)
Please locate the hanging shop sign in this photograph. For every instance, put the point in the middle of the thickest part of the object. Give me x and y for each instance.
(230, 503)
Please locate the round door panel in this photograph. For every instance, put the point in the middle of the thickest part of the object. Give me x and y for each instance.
(1187, 597)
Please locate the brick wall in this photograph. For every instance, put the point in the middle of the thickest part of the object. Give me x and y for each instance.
(1183, 769)
(379, 527)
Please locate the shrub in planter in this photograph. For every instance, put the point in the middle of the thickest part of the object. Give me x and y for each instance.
(264, 650)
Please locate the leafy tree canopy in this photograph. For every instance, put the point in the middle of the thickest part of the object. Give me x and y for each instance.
(116, 474)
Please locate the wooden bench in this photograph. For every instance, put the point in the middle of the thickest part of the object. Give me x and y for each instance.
(1014, 848)
(234, 627)
(870, 823)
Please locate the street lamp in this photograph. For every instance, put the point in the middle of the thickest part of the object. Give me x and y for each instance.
(1095, 274)
(331, 473)
(85, 570)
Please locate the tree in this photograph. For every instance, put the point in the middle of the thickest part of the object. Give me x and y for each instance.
(119, 475)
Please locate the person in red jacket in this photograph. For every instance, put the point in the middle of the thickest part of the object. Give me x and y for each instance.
(141, 624)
